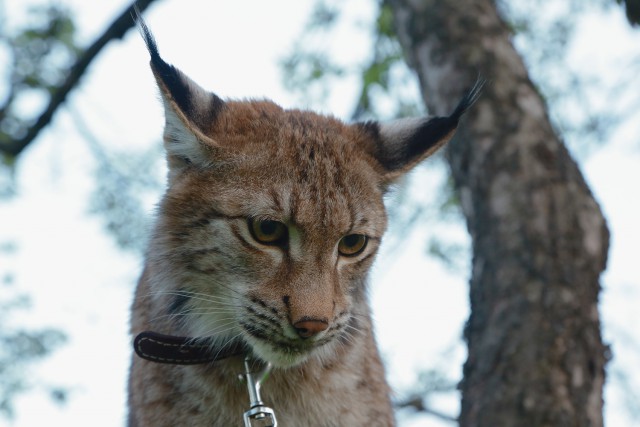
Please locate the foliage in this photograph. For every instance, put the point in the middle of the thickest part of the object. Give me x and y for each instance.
(377, 74)
(310, 71)
(42, 63)
(20, 347)
(430, 384)
(45, 61)
(38, 57)
(123, 181)
(544, 41)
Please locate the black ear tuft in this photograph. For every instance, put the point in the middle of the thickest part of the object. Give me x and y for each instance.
(167, 72)
(198, 106)
(469, 99)
(191, 112)
(401, 144)
(435, 132)
(149, 40)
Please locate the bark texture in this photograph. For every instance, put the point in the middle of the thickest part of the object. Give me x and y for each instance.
(540, 241)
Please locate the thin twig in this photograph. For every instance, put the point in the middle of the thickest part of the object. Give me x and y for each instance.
(417, 403)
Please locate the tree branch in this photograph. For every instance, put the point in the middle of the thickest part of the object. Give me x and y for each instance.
(117, 29)
(417, 403)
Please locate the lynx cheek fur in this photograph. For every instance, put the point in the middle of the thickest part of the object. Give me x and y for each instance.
(263, 240)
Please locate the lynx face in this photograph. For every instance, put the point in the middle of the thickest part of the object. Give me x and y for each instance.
(272, 218)
(272, 244)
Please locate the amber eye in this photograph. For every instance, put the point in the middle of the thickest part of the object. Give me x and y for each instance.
(352, 244)
(267, 231)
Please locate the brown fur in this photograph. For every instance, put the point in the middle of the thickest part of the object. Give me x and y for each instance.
(206, 276)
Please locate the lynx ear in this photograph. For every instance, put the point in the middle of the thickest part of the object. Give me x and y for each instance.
(190, 111)
(401, 144)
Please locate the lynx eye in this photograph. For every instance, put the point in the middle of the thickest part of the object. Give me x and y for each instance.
(267, 231)
(352, 244)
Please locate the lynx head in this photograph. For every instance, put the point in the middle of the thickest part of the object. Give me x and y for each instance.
(272, 217)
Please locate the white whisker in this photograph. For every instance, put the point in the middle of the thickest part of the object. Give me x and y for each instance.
(195, 312)
(348, 336)
(192, 295)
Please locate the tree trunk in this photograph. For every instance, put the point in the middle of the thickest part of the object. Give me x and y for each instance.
(540, 241)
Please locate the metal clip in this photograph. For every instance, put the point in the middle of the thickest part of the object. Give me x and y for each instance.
(258, 414)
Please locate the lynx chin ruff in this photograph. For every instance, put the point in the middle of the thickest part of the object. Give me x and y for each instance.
(263, 241)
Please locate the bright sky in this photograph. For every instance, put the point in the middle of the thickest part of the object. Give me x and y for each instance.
(82, 283)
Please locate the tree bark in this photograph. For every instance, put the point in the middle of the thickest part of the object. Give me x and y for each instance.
(539, 239)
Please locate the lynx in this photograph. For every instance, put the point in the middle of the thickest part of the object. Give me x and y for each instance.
(259, 257)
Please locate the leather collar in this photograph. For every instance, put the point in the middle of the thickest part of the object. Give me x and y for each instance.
(175, 350)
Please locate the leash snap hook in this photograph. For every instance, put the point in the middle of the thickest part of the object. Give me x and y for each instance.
(258, 415)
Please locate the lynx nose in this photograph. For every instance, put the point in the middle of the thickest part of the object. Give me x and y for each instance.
(306, 328)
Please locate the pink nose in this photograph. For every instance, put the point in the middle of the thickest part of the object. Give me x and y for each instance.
(307, 328)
